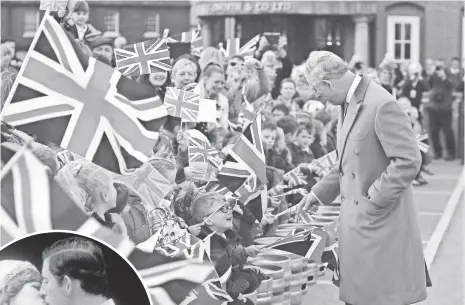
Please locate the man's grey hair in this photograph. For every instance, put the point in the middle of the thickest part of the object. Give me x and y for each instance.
(324, 65)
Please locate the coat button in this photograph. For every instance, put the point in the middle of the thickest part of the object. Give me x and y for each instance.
(353, 176)
(341, 174)
(356, 152)
(356, 201)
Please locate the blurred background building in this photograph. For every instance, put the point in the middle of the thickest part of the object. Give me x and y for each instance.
(413, 30)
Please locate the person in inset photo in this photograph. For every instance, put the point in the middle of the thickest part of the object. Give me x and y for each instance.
(58, 268)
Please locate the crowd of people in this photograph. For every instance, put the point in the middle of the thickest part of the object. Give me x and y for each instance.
(297, 128)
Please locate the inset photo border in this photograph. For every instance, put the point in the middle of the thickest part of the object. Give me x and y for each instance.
(66, 268)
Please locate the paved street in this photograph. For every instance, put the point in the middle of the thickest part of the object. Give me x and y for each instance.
(440, 208)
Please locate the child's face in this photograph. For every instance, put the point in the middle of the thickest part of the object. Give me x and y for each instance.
(277, 114)
(221, 220)
(268, 138)
(80, 18)
(304, 139)
(288, 90)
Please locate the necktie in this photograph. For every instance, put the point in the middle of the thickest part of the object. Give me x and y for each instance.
(344, 107)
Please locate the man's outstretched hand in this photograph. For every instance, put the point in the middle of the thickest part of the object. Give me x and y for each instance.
(308, 203)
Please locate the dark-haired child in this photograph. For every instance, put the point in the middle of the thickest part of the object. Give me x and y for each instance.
(279, 111)
(77, 23)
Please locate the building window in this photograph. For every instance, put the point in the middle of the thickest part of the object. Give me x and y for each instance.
(111, 24)
(152, 26)
(31, 23)
(403, 38)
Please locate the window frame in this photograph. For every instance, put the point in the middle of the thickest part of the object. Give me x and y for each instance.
(31, 34)
(414, 41)
(152, 34)
(116, 32)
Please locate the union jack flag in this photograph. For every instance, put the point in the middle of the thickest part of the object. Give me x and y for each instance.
(294, 177)
(32, 202)
(200, 151)
(182, 104)
(215, 287)
(330, 258)
(143, 58)
(422, 142)
(308, 243)
(326, 163)
(150, 184)
(196, 40)
(83, 105)
(246, 158)
(233, 47)
(53, 5)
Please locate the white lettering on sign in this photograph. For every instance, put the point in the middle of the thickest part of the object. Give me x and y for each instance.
(250, 7)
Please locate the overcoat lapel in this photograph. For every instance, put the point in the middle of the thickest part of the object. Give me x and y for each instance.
(354, 107)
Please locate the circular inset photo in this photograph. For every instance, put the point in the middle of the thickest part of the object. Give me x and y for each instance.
(65, 268)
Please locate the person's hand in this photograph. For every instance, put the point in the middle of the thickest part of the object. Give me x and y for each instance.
(119, 226)
(252, 251)
(263, 43)
(275, 202)
(253, 63)
(195, 229)
(267, 219)
(194, 174)
(238, 209)
(308, 203)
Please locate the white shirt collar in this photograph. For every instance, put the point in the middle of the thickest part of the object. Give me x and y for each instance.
(108, 302)
(352, 88)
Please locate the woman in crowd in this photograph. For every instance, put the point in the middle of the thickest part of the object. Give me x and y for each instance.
(20, 283)
(287, 93)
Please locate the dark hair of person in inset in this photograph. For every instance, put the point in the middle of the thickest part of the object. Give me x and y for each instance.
(80, 259)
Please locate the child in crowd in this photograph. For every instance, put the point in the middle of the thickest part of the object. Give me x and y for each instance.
(215, 213)
(77, 24)
(300, 147)
(279, 111)
(289, 125)
(318, 146)
(330, 139)
(276, 153)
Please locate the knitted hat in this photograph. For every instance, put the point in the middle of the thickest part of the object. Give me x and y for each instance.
(13, 276)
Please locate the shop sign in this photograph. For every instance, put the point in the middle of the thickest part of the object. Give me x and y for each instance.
(259, 7)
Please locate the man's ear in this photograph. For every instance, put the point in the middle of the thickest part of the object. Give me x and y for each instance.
(328, 83)
(67, 285)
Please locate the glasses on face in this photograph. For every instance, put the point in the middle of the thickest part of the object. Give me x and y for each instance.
(234, 63)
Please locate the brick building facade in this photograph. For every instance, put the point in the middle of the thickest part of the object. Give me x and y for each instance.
(132, 19)
(414, 30)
